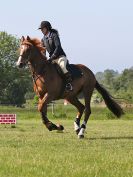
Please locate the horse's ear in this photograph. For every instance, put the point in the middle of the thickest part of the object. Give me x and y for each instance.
(28, 38)
(22, 38)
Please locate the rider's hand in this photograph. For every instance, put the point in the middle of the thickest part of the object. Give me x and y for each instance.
(51, 59)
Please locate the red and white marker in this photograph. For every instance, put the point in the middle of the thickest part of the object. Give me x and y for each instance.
(7, 118)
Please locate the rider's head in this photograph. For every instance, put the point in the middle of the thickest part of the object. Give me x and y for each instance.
(45, 27)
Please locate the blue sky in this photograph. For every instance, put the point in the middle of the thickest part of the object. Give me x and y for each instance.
(96, 33)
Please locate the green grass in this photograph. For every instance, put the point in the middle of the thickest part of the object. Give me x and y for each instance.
(65, 112)
(30, 150)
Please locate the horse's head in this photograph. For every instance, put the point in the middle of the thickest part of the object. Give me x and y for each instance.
(28, 50)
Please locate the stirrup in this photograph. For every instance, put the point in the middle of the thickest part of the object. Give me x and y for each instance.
(69, 87)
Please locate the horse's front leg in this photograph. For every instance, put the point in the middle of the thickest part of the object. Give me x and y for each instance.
(42, 107)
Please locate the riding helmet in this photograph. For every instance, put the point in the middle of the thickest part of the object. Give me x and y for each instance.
(45, 24)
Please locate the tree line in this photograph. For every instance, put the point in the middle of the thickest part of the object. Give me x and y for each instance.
(119, 84)
(16, 85)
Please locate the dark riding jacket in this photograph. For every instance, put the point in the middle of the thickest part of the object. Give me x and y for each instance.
(53, 45)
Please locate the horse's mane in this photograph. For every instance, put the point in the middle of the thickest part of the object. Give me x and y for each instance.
(34, 42)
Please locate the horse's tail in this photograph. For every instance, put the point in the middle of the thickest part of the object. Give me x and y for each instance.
(111, 104)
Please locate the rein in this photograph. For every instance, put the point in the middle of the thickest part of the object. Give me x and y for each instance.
(35, 77)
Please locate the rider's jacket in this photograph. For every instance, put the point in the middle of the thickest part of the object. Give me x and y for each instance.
(53, 45)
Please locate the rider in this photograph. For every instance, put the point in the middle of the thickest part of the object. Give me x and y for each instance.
(53, 46)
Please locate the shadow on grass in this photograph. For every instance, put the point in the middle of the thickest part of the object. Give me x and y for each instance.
(111, 138)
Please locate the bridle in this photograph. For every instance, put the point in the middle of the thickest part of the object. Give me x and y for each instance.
(25, 62)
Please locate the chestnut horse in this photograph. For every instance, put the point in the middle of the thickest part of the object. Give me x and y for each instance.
(48, 84)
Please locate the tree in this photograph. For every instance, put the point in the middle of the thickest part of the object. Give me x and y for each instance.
(125, 83)
(100, 76)
(109, 76)
(13, 83)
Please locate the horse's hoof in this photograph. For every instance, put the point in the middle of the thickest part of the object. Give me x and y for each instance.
(50, 126)
(80, 136)
(60, 127)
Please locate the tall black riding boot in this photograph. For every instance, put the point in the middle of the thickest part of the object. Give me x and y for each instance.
(68, 78)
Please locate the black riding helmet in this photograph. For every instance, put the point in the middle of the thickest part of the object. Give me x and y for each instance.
(45, 24)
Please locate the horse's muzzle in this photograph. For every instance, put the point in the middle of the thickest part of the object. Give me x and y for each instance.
(21, 65)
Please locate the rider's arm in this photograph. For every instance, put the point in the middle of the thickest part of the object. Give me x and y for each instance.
(57, 44)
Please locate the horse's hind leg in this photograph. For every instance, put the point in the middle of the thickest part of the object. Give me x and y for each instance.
(80, 107)
(87, 97)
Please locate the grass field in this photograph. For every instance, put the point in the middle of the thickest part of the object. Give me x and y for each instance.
(30, 150)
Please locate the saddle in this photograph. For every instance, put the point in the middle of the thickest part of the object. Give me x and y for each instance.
(73, 69)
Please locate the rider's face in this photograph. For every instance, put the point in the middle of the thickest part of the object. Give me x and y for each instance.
(44, 31)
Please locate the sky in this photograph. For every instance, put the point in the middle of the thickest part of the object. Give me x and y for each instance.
(98, 33)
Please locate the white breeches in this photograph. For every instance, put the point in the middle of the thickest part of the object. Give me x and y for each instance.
(62, 61)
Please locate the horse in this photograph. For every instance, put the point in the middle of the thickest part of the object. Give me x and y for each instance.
(49, 85)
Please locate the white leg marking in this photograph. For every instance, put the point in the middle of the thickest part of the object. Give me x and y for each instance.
(76, 127)
(81, 133)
